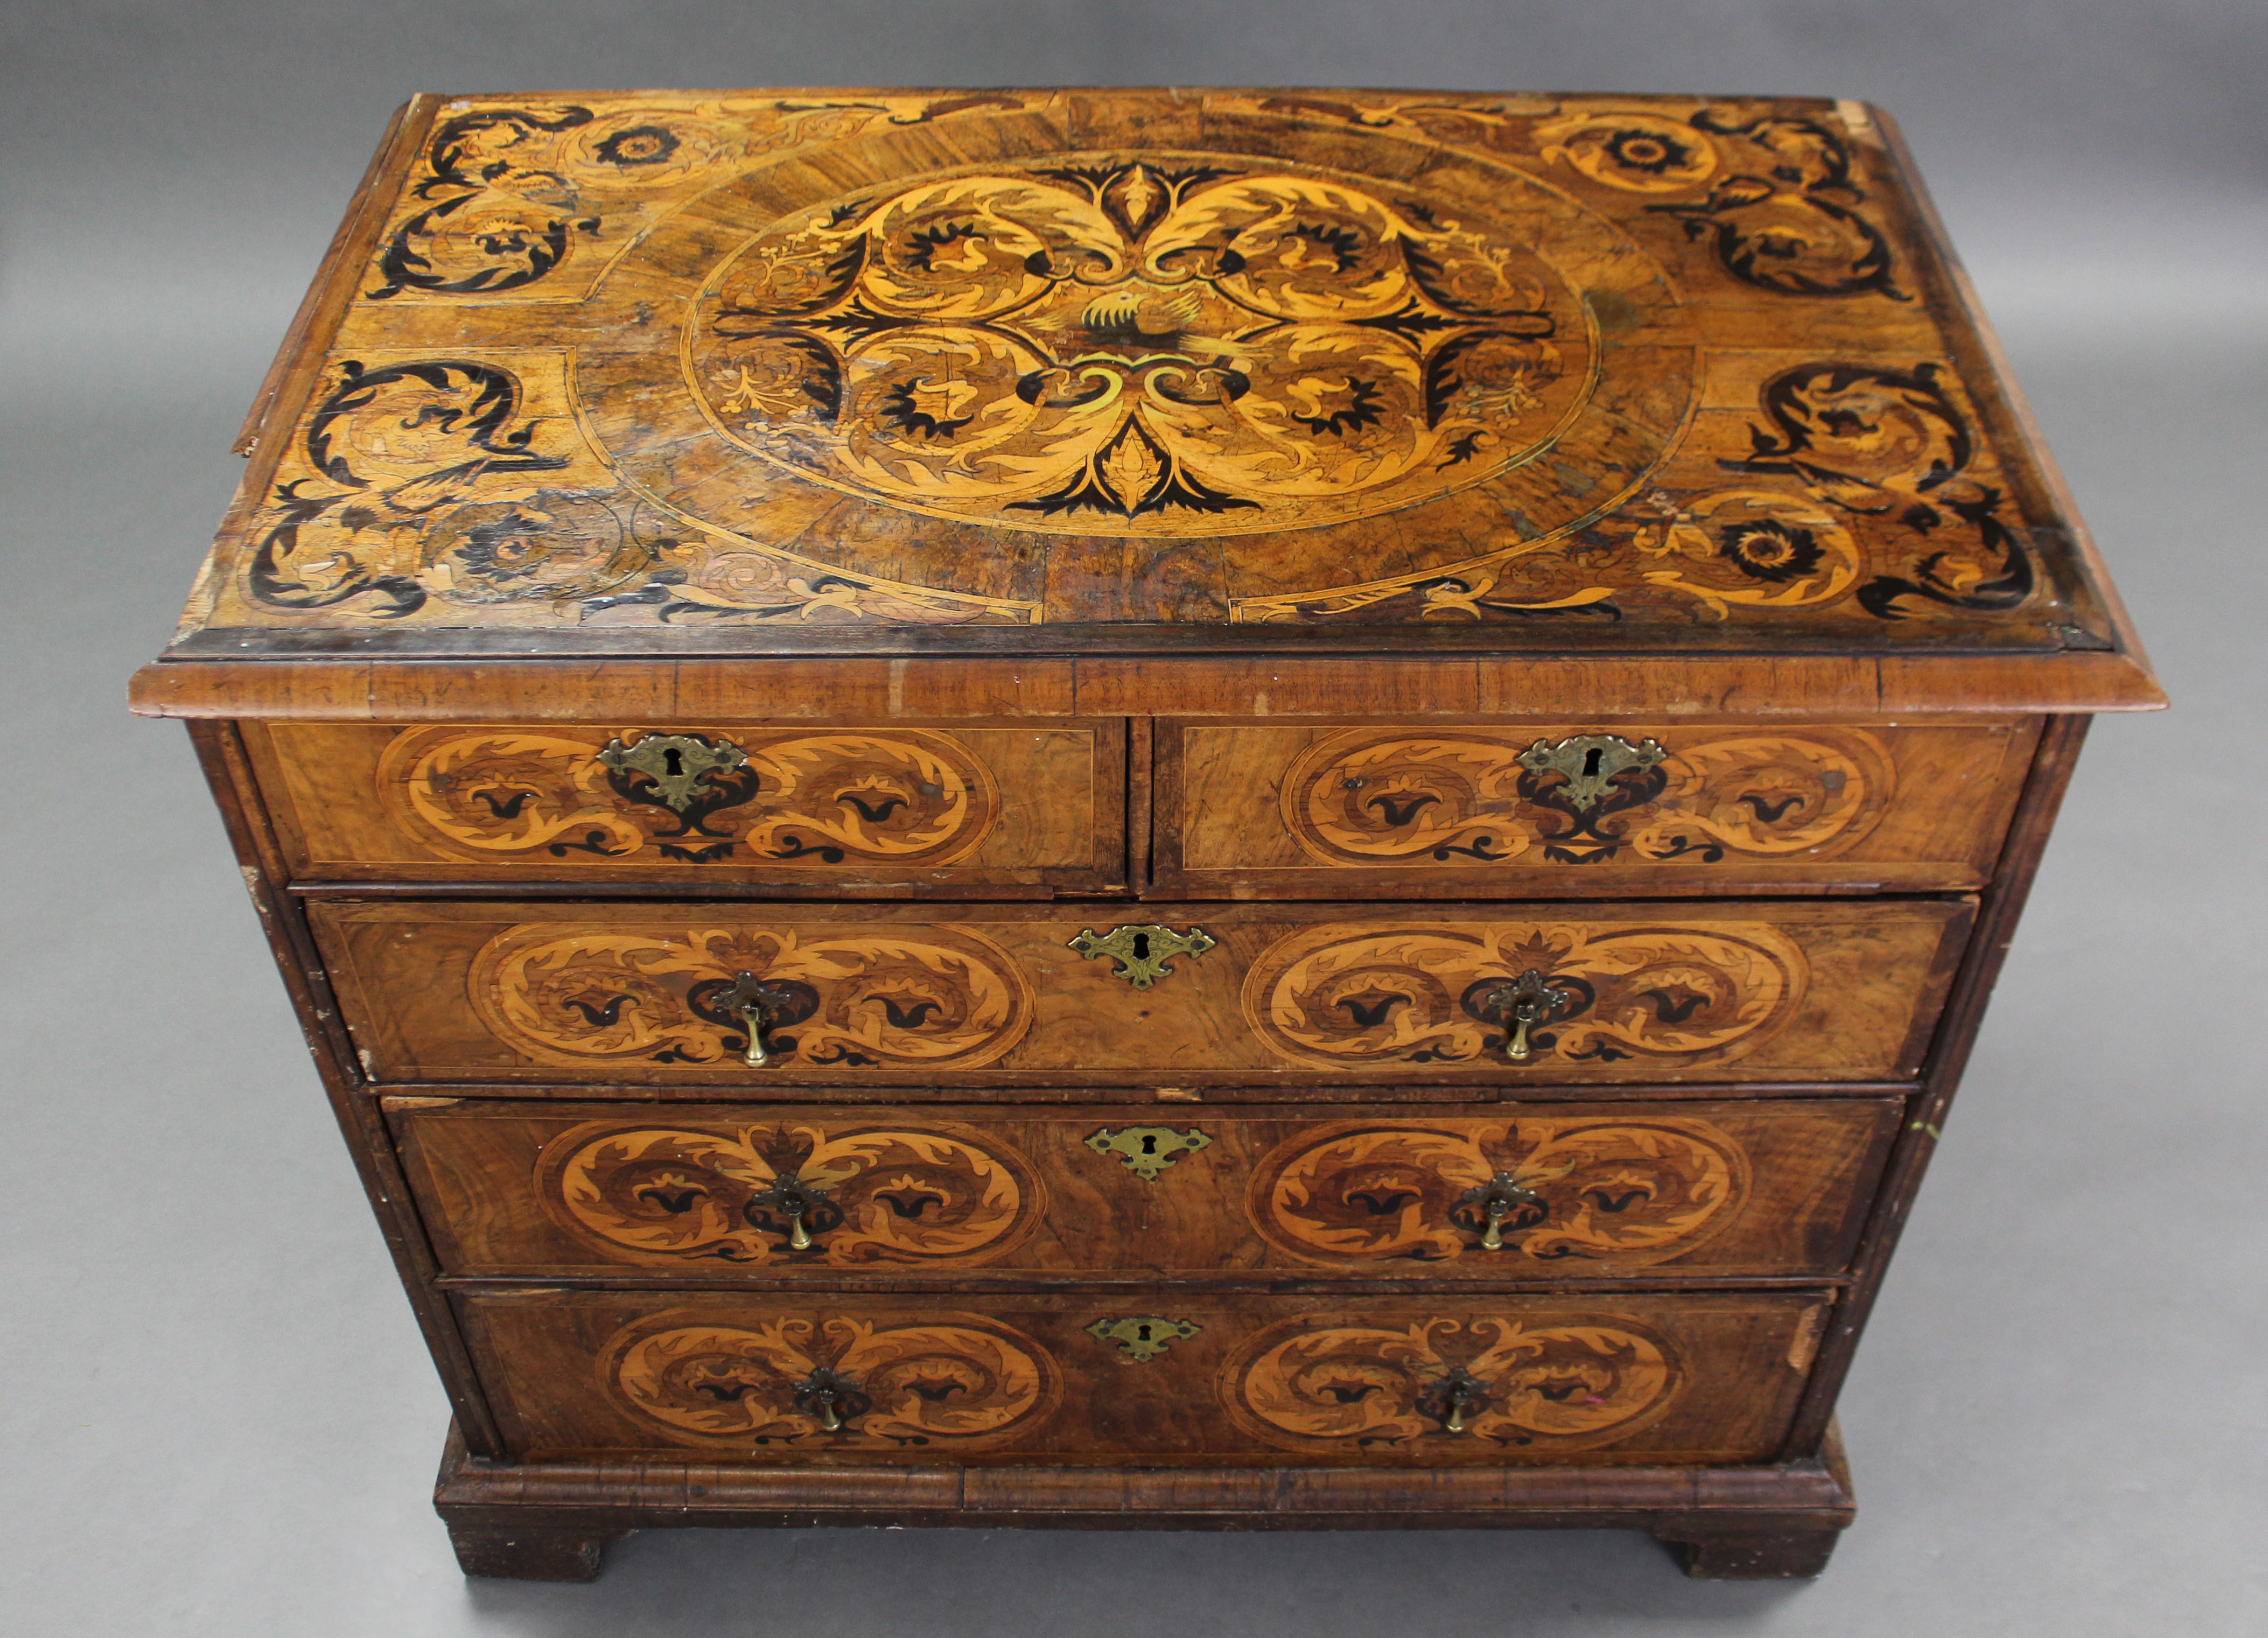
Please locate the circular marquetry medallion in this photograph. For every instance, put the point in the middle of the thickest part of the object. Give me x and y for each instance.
(1237, 339)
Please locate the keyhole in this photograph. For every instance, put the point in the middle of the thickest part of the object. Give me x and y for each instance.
(674, 761)
(1141, 947)
(1141, 1333)
(1149, 1146)
(1590, 762)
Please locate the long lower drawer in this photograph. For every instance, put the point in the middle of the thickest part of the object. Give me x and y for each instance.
(1464, 1379)
(854, 996)
(1537, 1192)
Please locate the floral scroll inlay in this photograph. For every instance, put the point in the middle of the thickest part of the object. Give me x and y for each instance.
(585, 996)
(956, 1380)
(1567, 1386)
(1141, 346)
(806, 800)
(1625, 1192)
(675, 1194)
(1360, 994)
(1777, 202)
(1465, 799)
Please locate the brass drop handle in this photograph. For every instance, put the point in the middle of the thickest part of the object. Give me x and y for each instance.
(1495, 1197)
(831, 1397)
(1453, 1398)
(1525, 1002)
(1458, 1397)
(754, 1002)
(799, 1202)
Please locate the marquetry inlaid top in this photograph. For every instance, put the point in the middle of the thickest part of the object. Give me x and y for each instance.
(1654, 372)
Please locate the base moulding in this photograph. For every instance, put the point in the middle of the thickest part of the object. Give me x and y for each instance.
(552, 1521)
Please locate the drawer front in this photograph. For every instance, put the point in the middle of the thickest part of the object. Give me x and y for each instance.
(1551, 809)
(1462, 1380)
(1572, 1191)
(813, 809)
(873, 997)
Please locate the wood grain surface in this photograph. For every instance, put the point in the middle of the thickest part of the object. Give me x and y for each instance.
(1682, 1190)
(565, 992)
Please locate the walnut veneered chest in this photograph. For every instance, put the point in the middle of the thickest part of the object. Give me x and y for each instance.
(1122, 807)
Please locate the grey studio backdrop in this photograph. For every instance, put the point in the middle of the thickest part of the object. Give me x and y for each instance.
(219, 1418)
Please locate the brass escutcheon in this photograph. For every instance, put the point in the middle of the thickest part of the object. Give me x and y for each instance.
(1145, 1151)
(1590, 762)
(1142, 952)
(677, 763)
(1525, 1002)
(1141, 1339)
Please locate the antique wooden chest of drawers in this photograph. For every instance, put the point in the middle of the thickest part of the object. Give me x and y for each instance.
(1126, 808)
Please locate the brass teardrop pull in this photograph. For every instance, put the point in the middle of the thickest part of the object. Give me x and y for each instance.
(1454, 1399)
(831, 1397)
(757, 1004)
(806, 1206)
(1522, 1003)
(1498, 1198)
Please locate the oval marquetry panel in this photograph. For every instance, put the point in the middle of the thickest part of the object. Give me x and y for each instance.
(956, 1381)
(1608, 1190)
(1127, 348)
(810, 801)
(1319, 1386)
(1366, 993)
(670, 1194)
(923, 997)
(1463, 799)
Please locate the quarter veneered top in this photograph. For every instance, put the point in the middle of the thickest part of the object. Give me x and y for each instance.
(753, 368)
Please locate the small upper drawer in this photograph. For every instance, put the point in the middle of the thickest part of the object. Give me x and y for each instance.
(1552, 809)
(827, 809)
(860, 997)
(521, 1188)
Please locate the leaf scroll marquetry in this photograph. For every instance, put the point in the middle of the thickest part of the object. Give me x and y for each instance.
(1142, 345)
(1775, 198)
(953, 1381)
(1614, 1192)
(671, 1194)
(1543, 1389)
(919, 997)
(1464, 799)
(1362, 994)
(807, 800)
